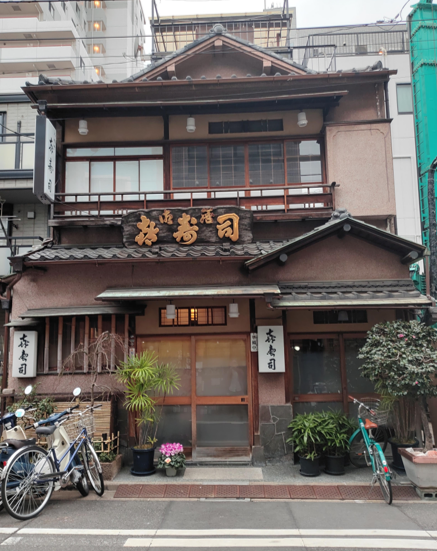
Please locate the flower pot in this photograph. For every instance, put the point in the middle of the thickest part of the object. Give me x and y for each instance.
(143, 462)
(181, 471)
(309, 467)
(334, 464)
(397, 459)
(171, 471)
(420, 469)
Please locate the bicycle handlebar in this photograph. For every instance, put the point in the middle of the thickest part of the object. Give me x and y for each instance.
(355, 401)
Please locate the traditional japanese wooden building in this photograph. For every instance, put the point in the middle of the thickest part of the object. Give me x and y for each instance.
(231, 211)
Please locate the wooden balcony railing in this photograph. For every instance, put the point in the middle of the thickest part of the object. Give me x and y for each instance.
(297, 201)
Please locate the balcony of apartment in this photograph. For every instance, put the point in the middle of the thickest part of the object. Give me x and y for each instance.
(17, 154)
(29, 58)
(31, 30)
(19, 9)
(283, 179)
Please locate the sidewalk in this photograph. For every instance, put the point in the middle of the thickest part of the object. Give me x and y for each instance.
(281, 481)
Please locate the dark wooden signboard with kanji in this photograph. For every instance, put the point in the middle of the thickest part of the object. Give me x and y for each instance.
(186, 227)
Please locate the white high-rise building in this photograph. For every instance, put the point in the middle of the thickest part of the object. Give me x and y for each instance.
(73, 40)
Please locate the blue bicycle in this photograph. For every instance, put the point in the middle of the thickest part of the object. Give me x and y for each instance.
(33, 473)
(372, 452)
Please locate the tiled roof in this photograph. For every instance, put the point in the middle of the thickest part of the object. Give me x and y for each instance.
(56, 253)
(353, 293)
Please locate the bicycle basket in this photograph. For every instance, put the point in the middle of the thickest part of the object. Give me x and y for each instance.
(75, 423)
(379, 416)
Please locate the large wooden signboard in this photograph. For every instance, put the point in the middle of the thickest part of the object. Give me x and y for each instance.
(144, 228)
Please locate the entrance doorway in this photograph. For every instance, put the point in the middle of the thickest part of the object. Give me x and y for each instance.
(210, 413)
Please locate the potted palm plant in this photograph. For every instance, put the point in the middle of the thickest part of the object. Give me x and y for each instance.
(337, 431)
(147, 383)
(307, 439)
(401, 359)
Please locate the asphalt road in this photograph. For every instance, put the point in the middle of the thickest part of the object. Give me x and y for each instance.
(91, 523)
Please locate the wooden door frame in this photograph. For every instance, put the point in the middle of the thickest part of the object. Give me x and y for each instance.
(195, 400)
(333, 398)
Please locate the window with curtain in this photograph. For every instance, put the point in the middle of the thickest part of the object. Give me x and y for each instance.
(404, 97)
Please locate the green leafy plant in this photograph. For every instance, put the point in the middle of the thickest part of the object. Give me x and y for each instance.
(106, 456)
(42, 407)
(147, 383)
(336, 430)
(401, 358)
(307, 435)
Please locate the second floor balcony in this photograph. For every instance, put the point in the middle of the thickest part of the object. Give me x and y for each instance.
(276, 179)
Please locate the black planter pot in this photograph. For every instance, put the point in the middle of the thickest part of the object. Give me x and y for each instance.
(143, 462)
(334, 464)
(309, 467)
(397, 458)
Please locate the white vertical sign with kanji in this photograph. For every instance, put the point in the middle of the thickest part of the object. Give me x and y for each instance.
(50, 161)
(271, 355)
(25, 354)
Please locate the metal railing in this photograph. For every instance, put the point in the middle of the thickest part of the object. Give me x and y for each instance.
(296, 199)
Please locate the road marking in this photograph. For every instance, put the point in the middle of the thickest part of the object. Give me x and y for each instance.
(296, 532)
(85, 532)
(222, 532)
(11, 541)
(337, 543)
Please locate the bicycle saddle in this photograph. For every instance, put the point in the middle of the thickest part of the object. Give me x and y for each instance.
(46, 431)
(369, 425)
(17, 444)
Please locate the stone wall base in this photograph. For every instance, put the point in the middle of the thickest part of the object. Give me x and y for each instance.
(274, 431)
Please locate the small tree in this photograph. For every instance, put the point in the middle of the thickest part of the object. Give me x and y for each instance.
(99, 357)
(401, 359)
(147, 382)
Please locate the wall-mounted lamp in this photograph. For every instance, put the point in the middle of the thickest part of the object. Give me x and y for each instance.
(297, 348)
(233, 310)
(83, 127)
(170, 311)
(382, 51)
(302, 119)
(191, 124)
(343, 315)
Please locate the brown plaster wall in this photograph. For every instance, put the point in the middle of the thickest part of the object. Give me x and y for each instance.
(360, 161)
(363, 102)
(178, 125)
(116, 129)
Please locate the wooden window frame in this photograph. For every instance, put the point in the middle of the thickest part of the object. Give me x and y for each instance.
(246, 143)
(189, 317)
(50, 370)
(343, 396)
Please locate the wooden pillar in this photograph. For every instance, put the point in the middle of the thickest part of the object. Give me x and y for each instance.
(254, 365)
(113, 329)
(86, 344)
(343, 374)
(99, 332)
(47, 346)
(73, 343)
(126, 336)
(60, 328)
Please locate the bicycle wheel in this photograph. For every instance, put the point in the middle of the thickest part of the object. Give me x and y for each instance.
(381, 475)
(24, 496)
(358, 448)
(82, 486)
(93, 468)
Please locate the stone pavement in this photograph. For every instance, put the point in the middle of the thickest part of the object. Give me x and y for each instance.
(280, 481)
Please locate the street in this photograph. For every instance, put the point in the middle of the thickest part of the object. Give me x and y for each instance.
(82, 524)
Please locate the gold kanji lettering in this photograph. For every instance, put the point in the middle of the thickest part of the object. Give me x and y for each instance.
(148, 234)
(166, 218)
(187, 230)
(207, 216)
(228, 226)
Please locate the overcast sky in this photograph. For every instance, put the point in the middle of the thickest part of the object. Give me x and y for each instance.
(309, 13)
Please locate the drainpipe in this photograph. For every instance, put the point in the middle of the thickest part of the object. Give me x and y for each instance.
(387, 102)
(6, 342)
(432, 228)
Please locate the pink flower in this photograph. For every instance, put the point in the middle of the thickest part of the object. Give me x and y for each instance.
(400, 336)
(416, 383)
(168, 460)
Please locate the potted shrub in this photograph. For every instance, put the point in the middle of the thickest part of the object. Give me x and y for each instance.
(172, 459)
(401, 359)
(147, 382)
(111, 464)
(307, 440)
(336, 431)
